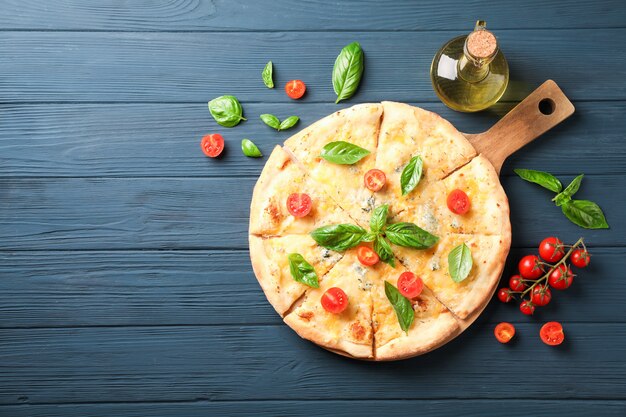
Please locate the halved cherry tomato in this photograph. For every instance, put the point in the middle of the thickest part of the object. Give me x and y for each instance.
(580, 258)
(458, 202)
(551, 333)
(212, 145)
(410, 285)
(541, 295)
(551, 249)
(299, 204)
(367, 256)
(504, 332)
(530, 267)
(504, 295)
(334, 300)
(561, 278)
(516, 283)
(527, 307)
(295, 89)
(375, 179)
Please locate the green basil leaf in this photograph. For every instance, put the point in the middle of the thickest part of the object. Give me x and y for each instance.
(338, 237)
(411, 175)
(410, 235)
(271, 120)
(383, 249)
(565, 195)
(288, 122)
(379, 218)
(344, 153)
(460, 262)
(347, 71)
(544, 179)
(226, 110)
(585, 214)
(369, 237)
(302, 271)
(250, 149)
(402, 306)
(268, 74)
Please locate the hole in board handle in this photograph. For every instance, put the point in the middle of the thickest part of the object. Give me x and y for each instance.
(547, 106)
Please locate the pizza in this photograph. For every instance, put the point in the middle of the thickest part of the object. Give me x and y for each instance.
(378, 232)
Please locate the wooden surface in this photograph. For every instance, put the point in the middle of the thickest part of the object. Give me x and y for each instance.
(125, 285)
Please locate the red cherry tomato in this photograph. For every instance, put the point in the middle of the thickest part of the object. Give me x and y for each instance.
(299, 204)
(580, 258)
(212, 145)
(516, 283)
(334, 300)
(504, 332)
(458, 202)
(552, 334)
(527, 307)
(410, 285)
(367, 256)
(295, 89)
(504, 295)
(529, 267)
(375, 179)
(561, 278)
(551, 249)
(541, 295)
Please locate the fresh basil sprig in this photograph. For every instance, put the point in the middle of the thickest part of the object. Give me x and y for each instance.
(379, 218)
(347, 71)
(460, 262)
(544, 179)
(401, 305)
(273, 122)
(288, 122)
(411, 175)
(566, 195)
(302, 271)
(410, 235)
(250, 149)
(343, 153)
(339, 237)
(267, 74)
(226, 110)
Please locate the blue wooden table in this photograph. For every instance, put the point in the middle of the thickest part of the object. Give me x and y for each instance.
(125, 283)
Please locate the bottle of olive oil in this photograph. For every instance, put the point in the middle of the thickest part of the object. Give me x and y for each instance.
(470, 73)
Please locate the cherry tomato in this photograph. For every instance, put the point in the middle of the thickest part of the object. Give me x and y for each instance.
(580, 258)
(504, 332)
(504, 295)
(375, 179)
(527, 307)
(212, 145)
(552, 334)
(551, 249)
(540, 295)
(516, 283)
(561, 278)
(295, 89)
(529, 267)
(367, 256)
(299, 204)
(410, 285)
(334, 300)
(458, 202)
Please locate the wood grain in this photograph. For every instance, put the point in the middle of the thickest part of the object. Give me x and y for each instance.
(196, 67)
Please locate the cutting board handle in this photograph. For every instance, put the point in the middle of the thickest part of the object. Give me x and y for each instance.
(543, 109)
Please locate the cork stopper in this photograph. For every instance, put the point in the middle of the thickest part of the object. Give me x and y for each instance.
(481, 44)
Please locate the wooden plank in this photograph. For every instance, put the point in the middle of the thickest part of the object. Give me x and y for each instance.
(285, 15)
(218, 363)
(196, 67)
(296, 408)
(195, 288)
(78, 140)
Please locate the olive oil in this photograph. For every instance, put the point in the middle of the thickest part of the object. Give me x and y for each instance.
(470, 73)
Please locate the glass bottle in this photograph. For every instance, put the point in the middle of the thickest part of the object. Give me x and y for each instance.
(470, 73)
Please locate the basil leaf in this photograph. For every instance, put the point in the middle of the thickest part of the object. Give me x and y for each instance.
(347, 71)
(369, 237)
(410, 235)
(411, 175)
(250, 149)
(267, 74)
(302, 271)
(544, 179)
(226, 110)
(402, 306)
(383, 249)
(565, 195)
(585, 214)
(271, 120)
(288, 122)
(460, 262)
(344, 153)
(338, 237)
(379, 218)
